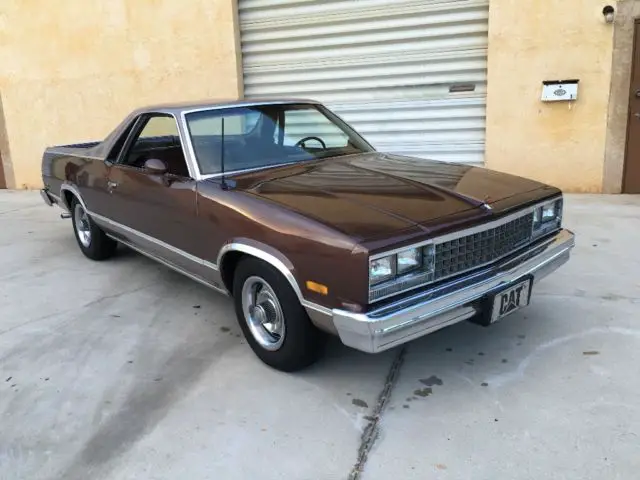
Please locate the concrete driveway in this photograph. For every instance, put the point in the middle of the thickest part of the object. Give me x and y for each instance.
(124, 369)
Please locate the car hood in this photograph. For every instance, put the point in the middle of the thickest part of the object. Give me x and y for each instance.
(373, 195)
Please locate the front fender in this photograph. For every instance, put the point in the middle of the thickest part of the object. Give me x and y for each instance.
(264, 252)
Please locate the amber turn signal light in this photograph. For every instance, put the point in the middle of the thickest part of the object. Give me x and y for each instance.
(317, 287)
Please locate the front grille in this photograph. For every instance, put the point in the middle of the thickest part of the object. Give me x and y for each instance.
(471, 251)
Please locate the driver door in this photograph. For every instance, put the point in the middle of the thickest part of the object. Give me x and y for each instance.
(155, 212)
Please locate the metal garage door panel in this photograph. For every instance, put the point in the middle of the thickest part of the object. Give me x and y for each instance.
(373, 61)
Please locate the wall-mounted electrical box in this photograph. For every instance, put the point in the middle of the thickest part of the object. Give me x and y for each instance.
(559, 90)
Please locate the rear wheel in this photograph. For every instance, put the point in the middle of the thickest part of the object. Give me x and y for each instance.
(93, 242)
(272, 319)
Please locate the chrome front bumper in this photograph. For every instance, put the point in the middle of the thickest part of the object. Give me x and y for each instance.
(444, 305)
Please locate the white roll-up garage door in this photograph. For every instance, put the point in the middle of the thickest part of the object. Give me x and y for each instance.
(409, 75)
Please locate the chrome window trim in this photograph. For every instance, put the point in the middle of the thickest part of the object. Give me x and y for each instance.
(248, 103)
(136, 130)
(188, 141)
(188, 146)
(247, 170)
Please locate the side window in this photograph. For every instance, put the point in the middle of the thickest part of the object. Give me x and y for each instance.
(159, 138)
(159, 126)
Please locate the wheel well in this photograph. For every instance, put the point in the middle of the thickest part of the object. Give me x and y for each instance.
(68, 198)
(228, 268)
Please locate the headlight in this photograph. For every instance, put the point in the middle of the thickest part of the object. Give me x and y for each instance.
(547, 218)
(401, 270)
(409, 260)
(382, 269)
(549, 212)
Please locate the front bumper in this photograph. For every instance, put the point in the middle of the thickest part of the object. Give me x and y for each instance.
(426, 312)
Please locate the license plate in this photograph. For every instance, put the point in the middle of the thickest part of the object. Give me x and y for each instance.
(510, 300)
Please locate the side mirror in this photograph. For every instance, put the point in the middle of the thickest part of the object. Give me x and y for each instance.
(155, 166)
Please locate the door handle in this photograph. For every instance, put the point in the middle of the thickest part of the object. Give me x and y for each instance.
(111, 185)
(637, 115)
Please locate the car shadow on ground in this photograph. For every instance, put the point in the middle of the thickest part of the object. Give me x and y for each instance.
(464, 350)
(462, 359)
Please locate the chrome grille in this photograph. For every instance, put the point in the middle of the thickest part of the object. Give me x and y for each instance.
(471, 251)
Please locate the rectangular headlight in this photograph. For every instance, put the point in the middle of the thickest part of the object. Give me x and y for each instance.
(409, 260)
(547, 218)
(401, 270)
(382, 269)
(548, 212)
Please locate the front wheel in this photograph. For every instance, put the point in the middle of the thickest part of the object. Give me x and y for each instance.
(272, 319)
(93, 242)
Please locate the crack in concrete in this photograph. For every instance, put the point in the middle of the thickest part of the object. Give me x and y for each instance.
(69, 310)
(19, 209)
(372, 430)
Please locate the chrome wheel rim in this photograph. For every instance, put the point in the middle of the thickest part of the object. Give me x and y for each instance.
(81, 221)
(263, 313)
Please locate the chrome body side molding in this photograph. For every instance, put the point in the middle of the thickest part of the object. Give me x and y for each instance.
(171, 256)
(320, 316)
(171, 265)
(197, 268)
(150, 239)
(262, 254)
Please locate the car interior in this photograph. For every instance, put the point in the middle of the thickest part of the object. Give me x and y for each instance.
(166, 148)
(257, 140)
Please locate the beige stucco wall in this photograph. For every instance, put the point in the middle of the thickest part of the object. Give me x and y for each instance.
(532, 41)
(71, 72)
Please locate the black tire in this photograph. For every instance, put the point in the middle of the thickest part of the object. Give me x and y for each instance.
(302, 342)
(99, 246)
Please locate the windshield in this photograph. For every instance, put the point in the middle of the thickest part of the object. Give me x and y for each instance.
(263, 135)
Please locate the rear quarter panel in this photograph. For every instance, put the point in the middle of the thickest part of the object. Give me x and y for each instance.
(66, 167)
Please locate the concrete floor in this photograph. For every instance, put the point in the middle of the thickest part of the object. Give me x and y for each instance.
(124, 369)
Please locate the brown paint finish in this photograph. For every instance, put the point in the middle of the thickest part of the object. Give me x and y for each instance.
(315, 251)
(321, 219)
(159, 206)
(374, 196)
(631, 178)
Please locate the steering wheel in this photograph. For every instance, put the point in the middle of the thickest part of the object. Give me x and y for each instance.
(301, 142)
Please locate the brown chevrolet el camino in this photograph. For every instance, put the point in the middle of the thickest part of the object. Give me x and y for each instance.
(284, 207)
